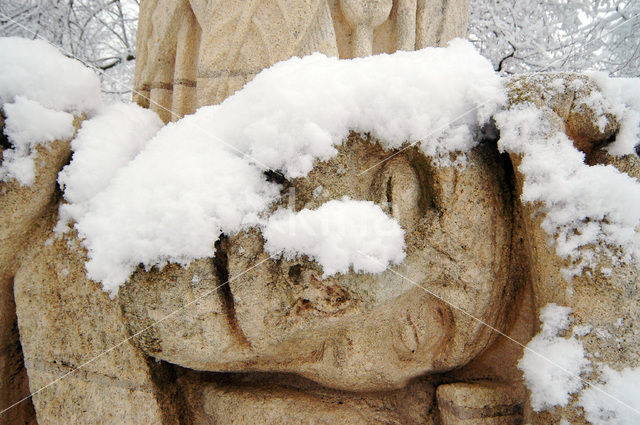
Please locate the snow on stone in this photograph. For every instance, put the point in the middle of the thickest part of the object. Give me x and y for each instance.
(623, 98)
(339, 235)
(24, 113)
(295, 113)
(620, 402)
(554, 318)
(38, 71)
(103, 145)
(551, 365)
(170, 203)
(203, 175)
(27, 125)
(587, 208)
(40, 89)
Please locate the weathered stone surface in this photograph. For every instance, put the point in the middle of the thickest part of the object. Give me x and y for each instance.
(286, 399)
(195, 319)
(266, 341)
(67, 322)
(570, 96)
(21, 209)
(606, 300)
(335, 331)
(355, 331)
(480, 403)
(198, 52)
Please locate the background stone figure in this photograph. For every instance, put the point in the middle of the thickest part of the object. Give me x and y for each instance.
(196, 53)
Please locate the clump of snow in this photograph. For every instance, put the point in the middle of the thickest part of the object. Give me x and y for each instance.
(40, 89)
(203, 175)
(587, 208)
(339, 235)
(623, 96)
(103, 145)
(551, 364)
(170, 203)
(295, 113)
(620, 402)
(27, 125)
(38, 71)
(554, 318)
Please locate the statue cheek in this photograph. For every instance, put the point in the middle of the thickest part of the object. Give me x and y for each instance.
(423, 330)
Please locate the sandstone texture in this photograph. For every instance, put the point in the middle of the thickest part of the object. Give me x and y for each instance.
(605, 300)
(243, 337)
(286, 399)
(480, 403)
(81, 365)
(357, 332)
(22, 208)
(568, 95)
(197, 52)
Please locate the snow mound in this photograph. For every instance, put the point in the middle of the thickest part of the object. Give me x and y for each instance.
(552, 365)
(587, 208)
(203, 175)
(338, 235)
(623, 98)
(103, 145)
(295, 113)
(27, 125)
(40, 89)
(38, 71)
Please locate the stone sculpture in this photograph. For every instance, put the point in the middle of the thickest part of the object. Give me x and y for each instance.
(195, 53)
(353, 351)
(276, 344)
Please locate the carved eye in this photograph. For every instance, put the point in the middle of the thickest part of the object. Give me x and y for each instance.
(398, 190)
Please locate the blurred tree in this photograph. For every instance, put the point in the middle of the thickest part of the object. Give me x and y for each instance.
(553, 35)
(101, 33)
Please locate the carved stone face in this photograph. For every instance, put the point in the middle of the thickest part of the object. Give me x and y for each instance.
(352, 331)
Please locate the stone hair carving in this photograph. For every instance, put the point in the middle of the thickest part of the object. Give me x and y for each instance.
(195, 53)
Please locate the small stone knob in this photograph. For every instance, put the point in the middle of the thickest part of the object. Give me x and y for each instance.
(364, 16)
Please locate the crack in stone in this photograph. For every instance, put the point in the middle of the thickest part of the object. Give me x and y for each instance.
(221, 265)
